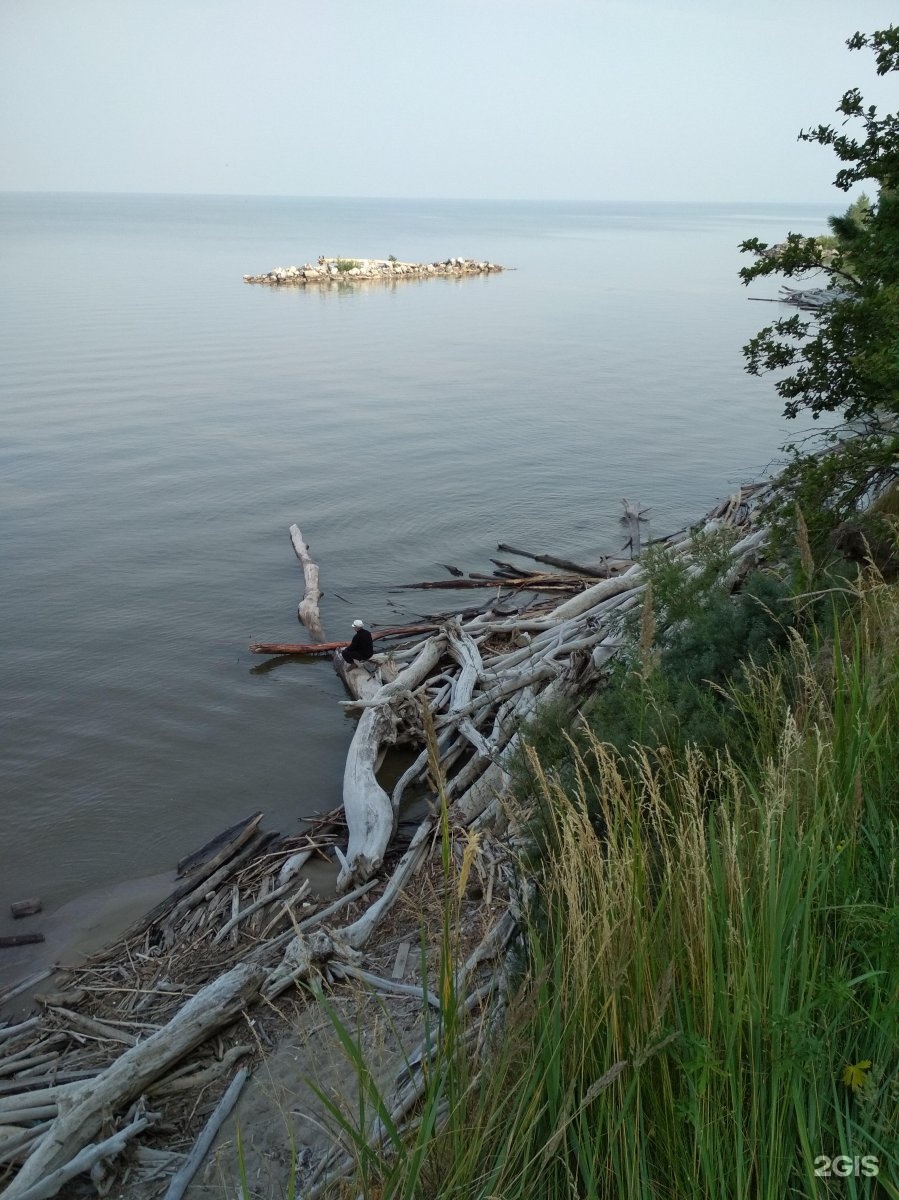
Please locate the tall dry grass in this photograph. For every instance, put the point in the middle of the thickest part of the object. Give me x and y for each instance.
(710, 1004)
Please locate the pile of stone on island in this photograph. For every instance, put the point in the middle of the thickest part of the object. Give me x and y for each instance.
(352, 270)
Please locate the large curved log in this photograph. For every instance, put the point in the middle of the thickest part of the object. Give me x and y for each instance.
(307, 610)
(369, 811)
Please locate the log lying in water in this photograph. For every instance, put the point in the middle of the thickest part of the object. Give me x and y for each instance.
(307, 610)
(216, 851)
(321, 649)
(597, 570)
(537, 583)
(633, 515)
(20, 939)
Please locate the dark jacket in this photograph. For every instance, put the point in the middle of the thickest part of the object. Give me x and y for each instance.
(361, 648)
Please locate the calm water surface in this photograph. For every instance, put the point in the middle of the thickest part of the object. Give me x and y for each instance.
(164, 423)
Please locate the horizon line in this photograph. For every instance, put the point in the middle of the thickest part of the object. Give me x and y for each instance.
(400, 199)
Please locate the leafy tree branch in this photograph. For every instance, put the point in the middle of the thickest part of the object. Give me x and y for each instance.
(844, 357)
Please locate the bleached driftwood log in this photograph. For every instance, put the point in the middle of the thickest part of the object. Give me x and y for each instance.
(181, 1181)
(292, 866)
(358, 933)
(369, 811)
(307, 610)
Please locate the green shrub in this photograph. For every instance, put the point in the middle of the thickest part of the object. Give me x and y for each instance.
(679, 696)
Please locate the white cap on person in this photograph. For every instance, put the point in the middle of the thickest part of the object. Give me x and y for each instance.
(357, 624)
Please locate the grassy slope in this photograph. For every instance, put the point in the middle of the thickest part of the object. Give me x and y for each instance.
(712, 997)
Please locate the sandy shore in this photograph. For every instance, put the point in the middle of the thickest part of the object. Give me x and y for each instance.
(79, 928)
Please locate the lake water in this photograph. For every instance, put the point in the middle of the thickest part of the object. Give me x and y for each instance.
(164, 423)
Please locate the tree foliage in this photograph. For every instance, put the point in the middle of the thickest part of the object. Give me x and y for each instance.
(844, 357)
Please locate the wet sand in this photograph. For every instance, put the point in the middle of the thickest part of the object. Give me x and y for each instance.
(77, 929)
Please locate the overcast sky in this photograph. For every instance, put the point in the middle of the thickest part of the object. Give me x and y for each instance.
(544, 99)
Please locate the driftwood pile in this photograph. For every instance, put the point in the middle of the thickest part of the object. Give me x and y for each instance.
(123, 1033)
(812, 299)
(485, 672)
(129, 1052)
(116, 1071)
(808, 299)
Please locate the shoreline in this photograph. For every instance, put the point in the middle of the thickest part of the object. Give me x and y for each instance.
(80, 927)
(242, 911)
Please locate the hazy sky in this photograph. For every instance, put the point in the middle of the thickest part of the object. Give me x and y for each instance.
(565, 99)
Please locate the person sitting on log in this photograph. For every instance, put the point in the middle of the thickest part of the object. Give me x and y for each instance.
(361, 648)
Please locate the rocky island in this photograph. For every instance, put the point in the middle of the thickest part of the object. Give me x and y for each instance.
(331, 271)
